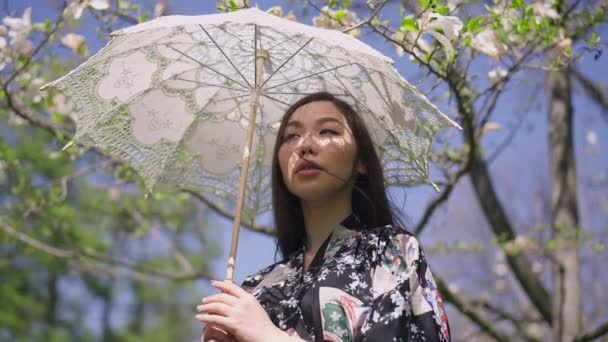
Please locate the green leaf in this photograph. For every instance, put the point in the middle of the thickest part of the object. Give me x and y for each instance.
(346, 3)
(523, 26)
(518, 4)
(424, 3)
(340, 14)
(144, 17)
(594, 38)
(443, 10)
(58, 117)
(332, 3)
(474, 24)
(409, 23)
(55, 155)
(467, 41)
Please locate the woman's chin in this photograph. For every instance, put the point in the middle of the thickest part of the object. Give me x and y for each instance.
(315, 191)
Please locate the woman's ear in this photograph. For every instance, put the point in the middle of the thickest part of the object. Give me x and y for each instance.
(360, 167)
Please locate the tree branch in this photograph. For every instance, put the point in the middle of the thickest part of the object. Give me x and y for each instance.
(466, 309)
(595, 91)
(371, 17)
(101, 258)
(598, 332)
(225, 213)
(431, 207)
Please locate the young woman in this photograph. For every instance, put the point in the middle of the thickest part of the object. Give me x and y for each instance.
(350, 272)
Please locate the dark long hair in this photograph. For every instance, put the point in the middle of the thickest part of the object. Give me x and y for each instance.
(369, 200)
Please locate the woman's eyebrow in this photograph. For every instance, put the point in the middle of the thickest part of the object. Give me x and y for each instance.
(320, 121)
(328, 119)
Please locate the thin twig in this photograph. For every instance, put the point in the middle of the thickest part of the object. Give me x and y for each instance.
(100, 257)
(431, 207)
(598, 332)
(372, 15)
(225, 213)
(466, 308)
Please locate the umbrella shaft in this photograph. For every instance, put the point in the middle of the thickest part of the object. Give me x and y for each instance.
(254, 105)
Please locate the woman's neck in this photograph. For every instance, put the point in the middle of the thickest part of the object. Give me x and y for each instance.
(321, 217)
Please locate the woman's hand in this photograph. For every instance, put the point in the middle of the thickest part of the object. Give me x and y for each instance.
(238, 313)
(213, 334)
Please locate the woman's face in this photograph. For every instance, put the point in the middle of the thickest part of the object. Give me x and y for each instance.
(318, 153)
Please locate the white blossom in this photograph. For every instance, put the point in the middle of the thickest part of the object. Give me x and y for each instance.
(565, 45)
(19, 31)
(537, 266)
(450, 27)
(497, 74)
(501, 269)
(76, 7)
(62, 105)
(325, 19)
(591, 137)
(160, 8)
(487, 43)
(275, 10)
(73, 42)
(543, 9)
(490, 127)
(452, 4)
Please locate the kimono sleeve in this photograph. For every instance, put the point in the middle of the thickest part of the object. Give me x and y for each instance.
(407, 305)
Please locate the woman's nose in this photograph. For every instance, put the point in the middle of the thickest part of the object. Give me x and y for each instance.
(306, 144)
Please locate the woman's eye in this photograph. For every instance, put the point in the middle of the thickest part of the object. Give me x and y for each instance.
(328, 131)
(290, 137)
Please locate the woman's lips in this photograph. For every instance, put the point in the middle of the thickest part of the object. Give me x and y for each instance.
(307, 168)
(308, 172)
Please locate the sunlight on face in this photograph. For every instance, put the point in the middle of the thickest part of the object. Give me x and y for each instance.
(317, 132)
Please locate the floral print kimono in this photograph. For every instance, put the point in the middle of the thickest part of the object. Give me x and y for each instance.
(362, 285)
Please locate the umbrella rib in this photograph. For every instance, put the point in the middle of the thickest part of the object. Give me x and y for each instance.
(300, 93)
(206, 66)
(233, 35)
(209, 84)
(287, 39)
(231, 98)
(277, 100)
(287, 60)
(226, 56)
(308, 76)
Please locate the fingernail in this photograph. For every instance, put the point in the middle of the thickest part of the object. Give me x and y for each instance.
(199, 316)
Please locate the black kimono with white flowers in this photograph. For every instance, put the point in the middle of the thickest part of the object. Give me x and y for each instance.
(368, 285)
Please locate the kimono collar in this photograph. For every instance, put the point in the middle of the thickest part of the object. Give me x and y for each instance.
(345, 229)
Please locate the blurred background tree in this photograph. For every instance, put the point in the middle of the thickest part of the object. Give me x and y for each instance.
(517, 234)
